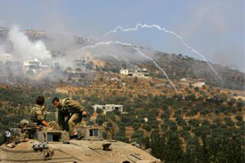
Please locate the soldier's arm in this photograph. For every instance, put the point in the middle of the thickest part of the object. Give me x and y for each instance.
(75, 105)
(40, 117)
(44, 123)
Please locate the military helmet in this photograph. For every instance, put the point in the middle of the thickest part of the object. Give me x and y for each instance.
(24, 122)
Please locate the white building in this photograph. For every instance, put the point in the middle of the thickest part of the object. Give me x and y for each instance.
(194, 82)
(126, 72)
(199, 83)
(109, 108)
(135, 73)
(33, 66)
(79, 63)
(5, 58)
(141, 73)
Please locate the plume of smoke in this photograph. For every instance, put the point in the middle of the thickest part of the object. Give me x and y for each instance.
(25, 49)
(2, 50)
(63, 62)
(115, 30)
(135, 48)
(120, 59)
(21, 48)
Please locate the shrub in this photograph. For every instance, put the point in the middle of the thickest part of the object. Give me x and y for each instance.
(147, 127)
(99, 110)
(239, 118)
(99, 120)
(196, 89)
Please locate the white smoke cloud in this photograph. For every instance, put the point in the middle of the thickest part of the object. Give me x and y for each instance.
(24, 49)
(2, 50)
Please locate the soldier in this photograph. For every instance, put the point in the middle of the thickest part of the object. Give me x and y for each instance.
(38, 113)
(70, 113)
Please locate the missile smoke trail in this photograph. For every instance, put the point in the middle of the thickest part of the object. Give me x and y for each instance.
(135, 48)
(120, 59)
(166, 31)
(164, 73)
(115, 56)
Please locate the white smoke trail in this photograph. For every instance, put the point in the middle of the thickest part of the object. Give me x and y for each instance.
(135, 48)
(120, 59)
(164, 73)
(115, 30)
(163, 85)
(115, 56)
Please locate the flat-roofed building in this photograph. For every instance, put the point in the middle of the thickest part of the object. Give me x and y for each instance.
(5, 58)
(33, 66)
(141, 73)
(195, 82)
(108, 108)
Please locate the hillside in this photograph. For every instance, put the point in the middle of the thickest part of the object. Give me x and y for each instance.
(185, 117)
(118, 56)
(191, 124)
(179, 66)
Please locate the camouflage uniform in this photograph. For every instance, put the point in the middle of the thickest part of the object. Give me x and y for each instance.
(38, 114)
(73, 111)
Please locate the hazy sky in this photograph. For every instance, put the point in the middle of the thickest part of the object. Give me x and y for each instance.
(215, 28)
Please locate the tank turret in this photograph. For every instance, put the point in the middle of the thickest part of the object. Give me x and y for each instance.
(40, 144)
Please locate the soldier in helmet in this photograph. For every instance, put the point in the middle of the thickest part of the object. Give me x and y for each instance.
(70, 113)
(38, 114)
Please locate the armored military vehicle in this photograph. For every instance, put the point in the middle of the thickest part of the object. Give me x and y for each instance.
(31, 143)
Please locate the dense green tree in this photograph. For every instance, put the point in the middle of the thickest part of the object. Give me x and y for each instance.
(99, 110)
(232, 102)
(157, 150)
(173, 149)
(99, 120)
(197, 89)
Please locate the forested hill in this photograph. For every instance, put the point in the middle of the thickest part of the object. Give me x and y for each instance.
(197, 125)
(178, 66)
